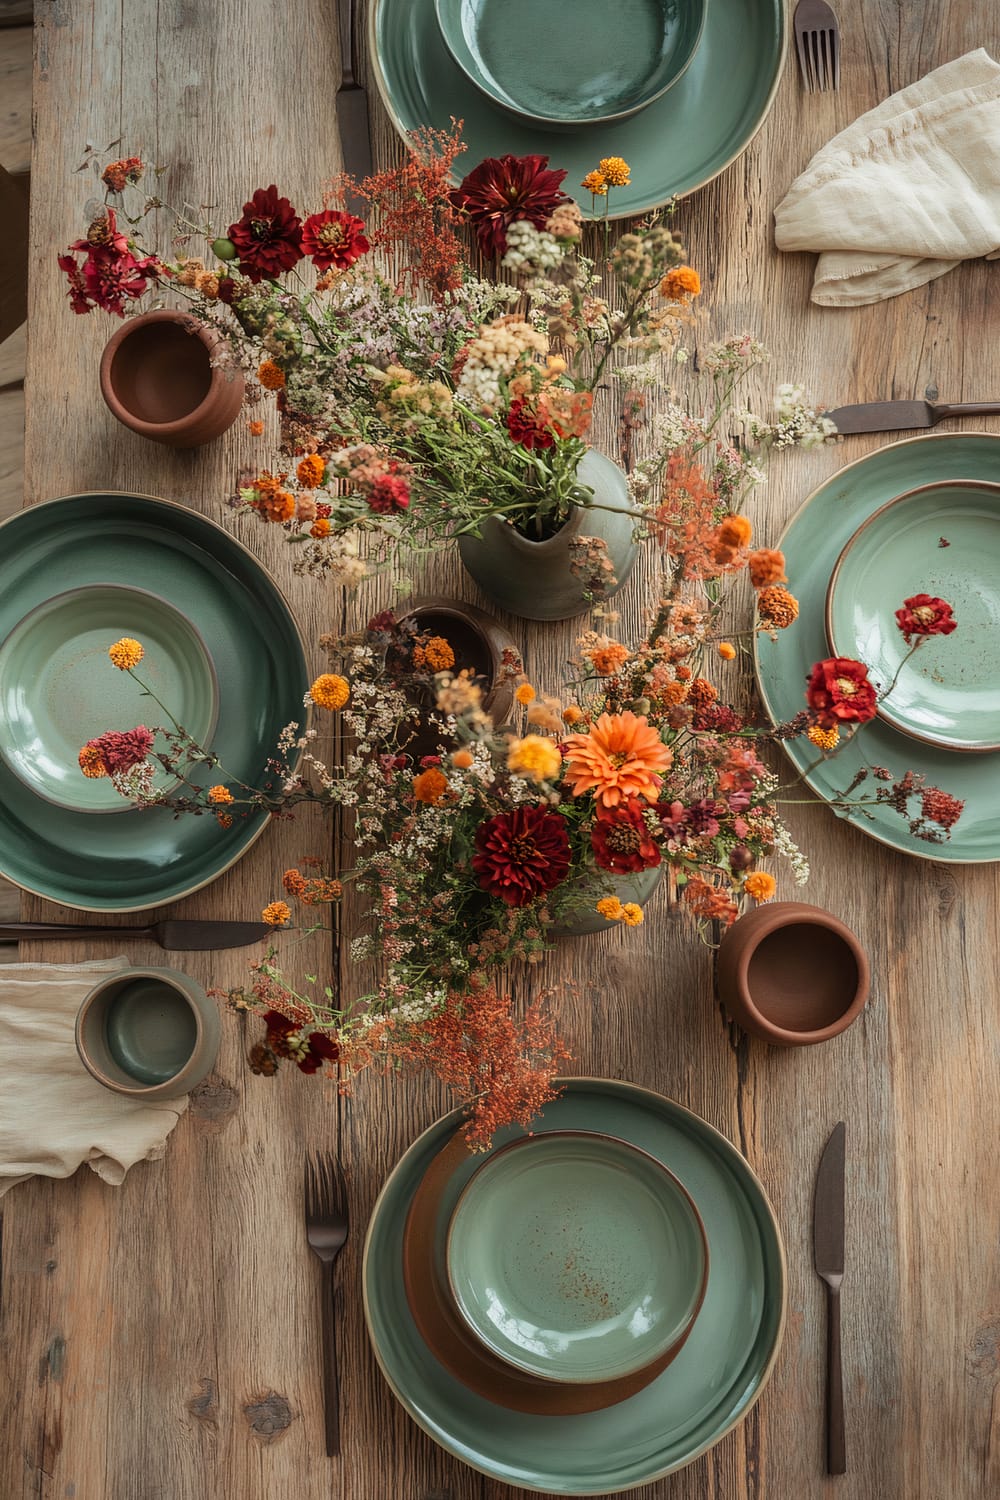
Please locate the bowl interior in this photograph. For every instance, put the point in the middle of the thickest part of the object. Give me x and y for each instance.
(802, 977)
(161, 372)
(576, 1257)
(138, 1031)
(572, 61)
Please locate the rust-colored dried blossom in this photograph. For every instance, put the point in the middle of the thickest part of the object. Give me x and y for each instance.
(711, 902)
(777, 607)
(271, 376)
(433, 655)
(767, 565)
(701, 693)
(117, 173)
(684, 521)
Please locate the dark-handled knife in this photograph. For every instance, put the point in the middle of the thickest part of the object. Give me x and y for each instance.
(904, 416)
(828, 1254)
(352, 110)
(180, 936)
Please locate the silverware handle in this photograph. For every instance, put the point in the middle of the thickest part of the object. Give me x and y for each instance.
(331, 1387)
(13, 932)
(836, 1443)
(945, 409)
(346, 11)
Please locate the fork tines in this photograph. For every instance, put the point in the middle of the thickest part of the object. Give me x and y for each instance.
(325, 1186)
(817, 42)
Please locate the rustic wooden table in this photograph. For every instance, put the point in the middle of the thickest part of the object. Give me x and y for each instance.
(161, 1339)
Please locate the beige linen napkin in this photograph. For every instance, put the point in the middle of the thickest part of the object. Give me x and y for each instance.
(53, 1115)
(905, 193)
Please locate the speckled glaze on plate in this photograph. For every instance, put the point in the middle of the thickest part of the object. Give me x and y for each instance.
(942, 540)
(58, 688)
(674, 146)
(146, 858)
(711, 1385)
(576, 1257)
(812, 542)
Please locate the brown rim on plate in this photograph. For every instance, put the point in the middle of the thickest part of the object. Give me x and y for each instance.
(456, 1347)
(920, 489)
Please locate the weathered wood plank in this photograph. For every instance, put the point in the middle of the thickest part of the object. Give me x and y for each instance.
(15, 97)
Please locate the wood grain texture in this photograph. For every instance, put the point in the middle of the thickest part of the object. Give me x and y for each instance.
(161, 1339)
(15, 97)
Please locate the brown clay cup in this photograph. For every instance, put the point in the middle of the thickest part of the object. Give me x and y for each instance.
(157, 378)
(792, 974)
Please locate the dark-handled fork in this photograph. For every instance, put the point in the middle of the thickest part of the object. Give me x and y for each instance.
(817, 42)
(326, 1231)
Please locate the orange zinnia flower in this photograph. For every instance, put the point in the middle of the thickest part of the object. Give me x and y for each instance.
(621, 757)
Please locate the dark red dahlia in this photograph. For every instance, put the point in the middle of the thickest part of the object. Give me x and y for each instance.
(923, 615)
(621, 839)
(838, 691)
(389, 495)
(523, 426)
(521, 854)
(308, 1050)
(335, 239)
(502, 189)
(120, 752)
(268, 238)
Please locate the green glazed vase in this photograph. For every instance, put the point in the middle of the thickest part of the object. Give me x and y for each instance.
(535, 580)
(586, 918)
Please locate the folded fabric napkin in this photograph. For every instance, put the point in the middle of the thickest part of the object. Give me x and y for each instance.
(53, 1115)
(905, 193)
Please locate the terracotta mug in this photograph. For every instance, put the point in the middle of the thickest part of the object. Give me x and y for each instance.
(157, 378)
(148, 1033)
(792, 974)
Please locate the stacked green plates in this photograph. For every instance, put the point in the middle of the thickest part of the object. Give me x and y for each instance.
(237, 621)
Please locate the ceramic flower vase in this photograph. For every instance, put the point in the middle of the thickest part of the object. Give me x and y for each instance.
(548, 580)
(637, 888)
(158, 378)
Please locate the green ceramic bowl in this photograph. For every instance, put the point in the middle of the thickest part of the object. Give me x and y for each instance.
(812, 542)
(678, 143)
(942, 540)
(699, 1397)
(147, 857)
(572, 62)
(59, 689)
(577, 1257)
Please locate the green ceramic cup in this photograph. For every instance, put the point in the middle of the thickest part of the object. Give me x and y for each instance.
(577, 1257)
(149, 1034)
(572, 62)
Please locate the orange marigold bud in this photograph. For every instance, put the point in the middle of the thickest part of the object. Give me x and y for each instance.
(461, 759)
(320, 528)
(310, 470)
(330, 691)
(760, 885)
(430, 786)
(680, 284)
(219, 794)
(276, 914)
(734, 531)
(271, 376)
(777, 606)
(255, 428)
(91, 762)
(726, 650)
(766, 566)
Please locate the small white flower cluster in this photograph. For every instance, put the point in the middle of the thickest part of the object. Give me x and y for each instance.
(735, 355)
(137, 783)
(786, 846)
(530, 249)
(799, 424)
(334, 558)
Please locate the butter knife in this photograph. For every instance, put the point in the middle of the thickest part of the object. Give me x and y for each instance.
(904, 416)
(828, 1255)
(352, 110)
(180, 936)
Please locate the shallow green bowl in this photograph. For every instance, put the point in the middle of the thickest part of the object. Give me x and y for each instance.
(571, 62)
(58, 688)
(148, 857)
(577, 1257)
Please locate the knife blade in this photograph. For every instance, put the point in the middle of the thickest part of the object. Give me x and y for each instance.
(352, 111)
(180, 936)
(904, 416)
(828, 1257)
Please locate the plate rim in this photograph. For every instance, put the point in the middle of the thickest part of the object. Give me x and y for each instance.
(861, 825)
(721, 1143)
(401, 130)
(241, 546)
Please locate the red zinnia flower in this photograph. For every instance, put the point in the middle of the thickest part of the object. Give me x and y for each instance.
(502, 189)
(838, 690)
(521, 854)
(389, 495)
(268, 238)
(621, 840)
(120, 752)
(923, 615)
(110, 275)
(524, 428)
(333, 238)
(306, 1049)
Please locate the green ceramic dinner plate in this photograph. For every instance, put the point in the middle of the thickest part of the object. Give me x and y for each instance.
(673, 146)
(58, 687)
(623, 55)
(576, 1257)
(715, 1379)
(812, 542)
(942, 540)
(141, 859)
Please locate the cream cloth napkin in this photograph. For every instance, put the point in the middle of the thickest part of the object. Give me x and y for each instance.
(53, 1115)
(905, 193)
